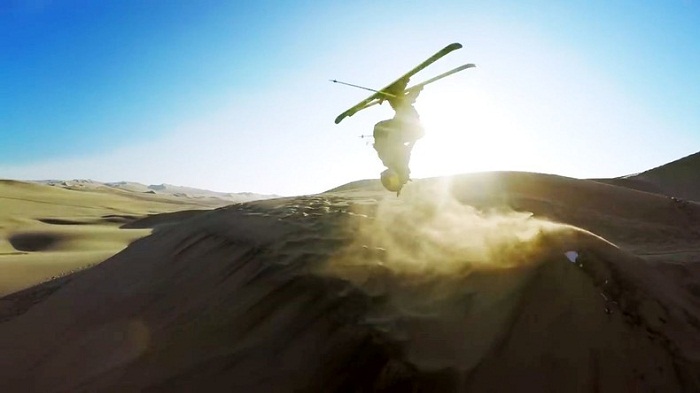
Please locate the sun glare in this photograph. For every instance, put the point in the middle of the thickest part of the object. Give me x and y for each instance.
(464, 133)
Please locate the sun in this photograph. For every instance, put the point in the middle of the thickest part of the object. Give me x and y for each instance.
(464, 132)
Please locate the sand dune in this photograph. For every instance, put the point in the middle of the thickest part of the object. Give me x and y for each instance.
(461, 284)
(49, 231)
(678, 179)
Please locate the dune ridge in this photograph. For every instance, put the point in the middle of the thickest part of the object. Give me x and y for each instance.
(461, 285)
(678, 179)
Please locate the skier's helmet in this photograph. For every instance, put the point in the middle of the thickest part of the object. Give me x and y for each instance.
(391, 180)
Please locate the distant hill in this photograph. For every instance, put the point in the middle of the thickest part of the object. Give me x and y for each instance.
(161, 189)
(680, 179)
(363, 185)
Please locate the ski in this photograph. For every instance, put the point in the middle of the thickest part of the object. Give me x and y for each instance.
(399, 85)
(420, 85)
(437, 78)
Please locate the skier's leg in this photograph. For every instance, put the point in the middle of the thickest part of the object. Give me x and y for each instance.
(402, 160)
(382, 143)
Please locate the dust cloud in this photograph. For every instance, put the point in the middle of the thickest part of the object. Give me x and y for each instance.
(443, 277)
(427, 231)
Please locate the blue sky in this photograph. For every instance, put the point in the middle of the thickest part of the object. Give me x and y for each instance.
(235, 97)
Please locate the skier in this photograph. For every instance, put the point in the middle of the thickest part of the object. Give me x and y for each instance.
(394, 138)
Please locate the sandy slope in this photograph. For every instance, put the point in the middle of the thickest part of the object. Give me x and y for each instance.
(678, 179)
(48, 231)
(459, 285)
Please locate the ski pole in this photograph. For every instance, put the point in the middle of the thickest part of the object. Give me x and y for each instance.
(362, 87)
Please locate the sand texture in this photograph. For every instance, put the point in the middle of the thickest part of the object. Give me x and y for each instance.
(493, 282)
(48, 231)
